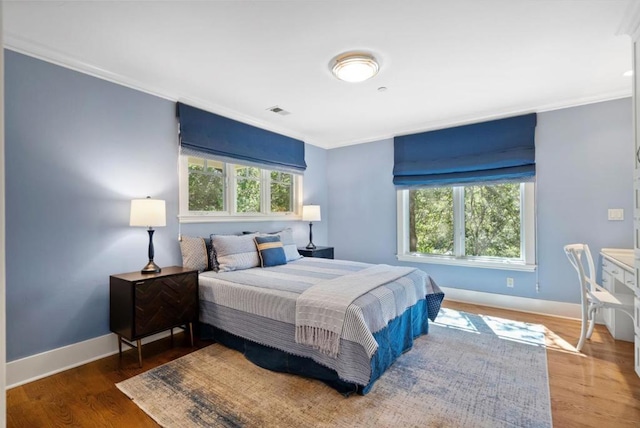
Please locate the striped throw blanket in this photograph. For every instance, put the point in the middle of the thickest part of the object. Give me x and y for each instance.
(321, 309)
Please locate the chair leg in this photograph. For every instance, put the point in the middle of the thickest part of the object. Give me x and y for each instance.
(592, 320)
(583, 329)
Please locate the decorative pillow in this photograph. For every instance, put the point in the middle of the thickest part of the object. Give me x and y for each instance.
(194, 253)
(290, 247)
(270, 250)
(235, 252)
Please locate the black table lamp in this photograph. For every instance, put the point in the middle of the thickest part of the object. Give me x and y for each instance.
(148, 213)
(311, 213)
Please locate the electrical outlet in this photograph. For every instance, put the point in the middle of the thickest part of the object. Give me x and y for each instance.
(509, 282)
(616, 214)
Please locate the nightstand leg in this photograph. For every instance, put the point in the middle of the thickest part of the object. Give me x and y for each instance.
(191, 333)
(139, 342)
(120, 346)
(172, 337)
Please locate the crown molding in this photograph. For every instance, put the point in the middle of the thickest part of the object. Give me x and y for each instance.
(480, 117)
(630, 24)
(53, 56)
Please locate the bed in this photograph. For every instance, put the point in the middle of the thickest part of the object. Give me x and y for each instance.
(259, 311)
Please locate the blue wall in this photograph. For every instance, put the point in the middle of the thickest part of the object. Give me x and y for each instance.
(77, 150)
(584, 158)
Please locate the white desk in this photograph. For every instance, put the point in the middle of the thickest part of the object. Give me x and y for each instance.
(619, 276)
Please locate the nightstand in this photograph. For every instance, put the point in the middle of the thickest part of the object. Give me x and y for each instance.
(144, 304)
(322, 252)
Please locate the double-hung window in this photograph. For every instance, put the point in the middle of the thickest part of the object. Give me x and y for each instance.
(466, 194)
(488, 225)
(212, 190)
(232, 171)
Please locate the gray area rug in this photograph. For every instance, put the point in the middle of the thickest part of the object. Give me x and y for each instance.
(469, 371)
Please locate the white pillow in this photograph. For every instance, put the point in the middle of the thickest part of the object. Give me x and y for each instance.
(235, 252)
(290, 247)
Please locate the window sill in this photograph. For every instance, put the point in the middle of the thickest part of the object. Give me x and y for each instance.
(236, 218)
(484, 264)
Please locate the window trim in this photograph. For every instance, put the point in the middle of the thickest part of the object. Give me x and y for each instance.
(230, 214)
(527, 230)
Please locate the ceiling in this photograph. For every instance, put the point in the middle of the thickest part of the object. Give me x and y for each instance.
(444, 62)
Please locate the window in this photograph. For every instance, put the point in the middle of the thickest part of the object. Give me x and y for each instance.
(480, 225)
(212, 190)
(206, 185)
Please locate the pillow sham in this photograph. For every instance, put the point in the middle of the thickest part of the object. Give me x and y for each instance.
(194, 253)
(234, 252)
(270, 250)
(290, 247)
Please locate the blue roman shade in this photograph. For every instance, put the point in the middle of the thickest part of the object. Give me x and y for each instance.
(224, 138)
(499, 150)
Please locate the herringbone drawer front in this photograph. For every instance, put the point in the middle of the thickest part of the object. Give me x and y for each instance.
(164, 302)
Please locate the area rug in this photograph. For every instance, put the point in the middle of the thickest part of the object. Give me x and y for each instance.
(469, 371)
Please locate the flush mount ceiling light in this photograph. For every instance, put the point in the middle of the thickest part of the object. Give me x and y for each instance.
(354, 67)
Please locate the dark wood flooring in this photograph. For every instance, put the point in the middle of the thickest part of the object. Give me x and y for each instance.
(595, 388)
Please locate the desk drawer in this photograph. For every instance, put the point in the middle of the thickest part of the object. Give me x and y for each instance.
(613, 269)
(607, 277)
(630, 279)
(617, 272)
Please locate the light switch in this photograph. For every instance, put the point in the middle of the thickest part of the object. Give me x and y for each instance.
(616, 214)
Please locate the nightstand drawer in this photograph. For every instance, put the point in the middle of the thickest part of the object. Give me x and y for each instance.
(162, 303)
(321, 252)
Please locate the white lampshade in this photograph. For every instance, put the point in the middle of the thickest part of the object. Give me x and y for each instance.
(148, 213)
(311, 212)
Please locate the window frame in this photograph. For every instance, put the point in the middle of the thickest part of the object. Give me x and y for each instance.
(527, 232)
(230, 214)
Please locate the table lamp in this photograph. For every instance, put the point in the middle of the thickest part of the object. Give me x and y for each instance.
(311, 213)
(148, 213)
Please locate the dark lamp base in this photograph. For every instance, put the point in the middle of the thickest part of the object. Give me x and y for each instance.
(310, 246)
(151, 267)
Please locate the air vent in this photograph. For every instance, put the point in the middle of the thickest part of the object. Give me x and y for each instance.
(278, 110)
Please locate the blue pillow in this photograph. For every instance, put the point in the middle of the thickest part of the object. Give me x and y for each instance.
(270, 250)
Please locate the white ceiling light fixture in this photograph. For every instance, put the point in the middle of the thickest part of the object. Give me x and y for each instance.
(354, 67)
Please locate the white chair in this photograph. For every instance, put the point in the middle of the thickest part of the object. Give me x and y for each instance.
(593, 295)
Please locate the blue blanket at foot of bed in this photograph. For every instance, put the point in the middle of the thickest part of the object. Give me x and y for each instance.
(392, 340)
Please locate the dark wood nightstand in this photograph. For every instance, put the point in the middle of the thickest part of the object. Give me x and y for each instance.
(322, 252)
(144, 304)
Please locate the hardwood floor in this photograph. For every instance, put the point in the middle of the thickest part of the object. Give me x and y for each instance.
(595, 388)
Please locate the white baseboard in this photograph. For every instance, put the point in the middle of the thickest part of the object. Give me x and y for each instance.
(522, 304)
(47, 363)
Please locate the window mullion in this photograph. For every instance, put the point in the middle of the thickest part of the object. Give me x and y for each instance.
(232, 184)
(184, 184)
(458, 221)
(225, 188)
(527, 222)
(265, 191)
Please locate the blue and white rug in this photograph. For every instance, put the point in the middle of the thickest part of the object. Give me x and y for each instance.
(469, 371)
